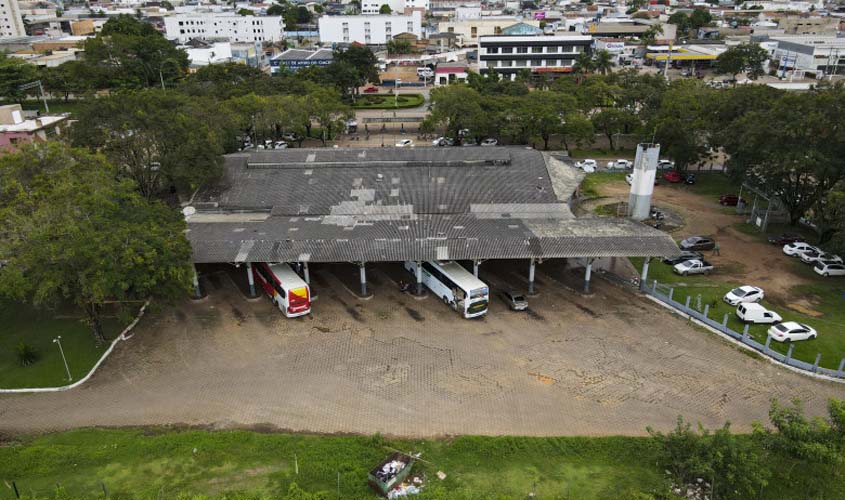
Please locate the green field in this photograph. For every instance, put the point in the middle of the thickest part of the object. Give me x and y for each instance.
(388, 101)
(826, 297)
(56, 105)
(19, 323)
(591, 186)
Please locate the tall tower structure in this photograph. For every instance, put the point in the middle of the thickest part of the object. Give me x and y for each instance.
(11, 22)
(642, 185)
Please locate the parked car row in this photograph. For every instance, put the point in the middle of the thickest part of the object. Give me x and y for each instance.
(448, 141)
(824, 264)
(746, 298)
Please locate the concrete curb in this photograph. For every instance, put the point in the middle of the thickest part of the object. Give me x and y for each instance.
(733, 341)
(123, 336)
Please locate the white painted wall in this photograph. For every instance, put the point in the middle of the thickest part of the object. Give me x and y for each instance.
(183, 27)
(368, 29)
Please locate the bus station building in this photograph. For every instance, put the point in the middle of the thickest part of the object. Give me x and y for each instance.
(360, 206)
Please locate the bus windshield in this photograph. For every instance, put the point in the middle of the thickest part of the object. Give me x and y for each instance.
(478, 292)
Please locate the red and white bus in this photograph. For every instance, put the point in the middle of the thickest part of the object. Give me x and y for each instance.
(284, 287)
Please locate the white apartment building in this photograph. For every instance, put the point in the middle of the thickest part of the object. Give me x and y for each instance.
(183, 27)
(11, 23)
(396, 6)
(508, 55)
(369, 30)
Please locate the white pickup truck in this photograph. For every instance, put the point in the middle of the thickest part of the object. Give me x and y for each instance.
(694, 266)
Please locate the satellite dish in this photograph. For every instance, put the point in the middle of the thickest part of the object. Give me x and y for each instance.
(188, 211)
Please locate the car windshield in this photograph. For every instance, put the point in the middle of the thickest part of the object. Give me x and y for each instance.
(518, 298)
(739, 292)
(780, 327)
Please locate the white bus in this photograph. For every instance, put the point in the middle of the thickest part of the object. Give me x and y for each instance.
(457, 287)
(284, 287)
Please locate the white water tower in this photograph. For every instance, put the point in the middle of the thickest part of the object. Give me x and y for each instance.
(642, 185)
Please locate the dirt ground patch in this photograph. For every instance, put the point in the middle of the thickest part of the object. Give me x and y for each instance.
(606, 364)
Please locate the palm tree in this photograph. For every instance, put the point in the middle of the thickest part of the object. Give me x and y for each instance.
(603, 62)
(583, 64)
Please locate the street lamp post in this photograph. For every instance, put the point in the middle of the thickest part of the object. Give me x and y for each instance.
(58, 340)
(396, 93)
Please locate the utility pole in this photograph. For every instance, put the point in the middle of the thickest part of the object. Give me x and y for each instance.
(36, 84)
(58, 340)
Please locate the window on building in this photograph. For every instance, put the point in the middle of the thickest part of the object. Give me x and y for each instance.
(493, 50)
(521, 63)
(552, 50)
(497, 30)
(522, 50)
(474, 31)
(507, 50)
(506, 64)
(410, 27)
(536, 63)
(536, 50)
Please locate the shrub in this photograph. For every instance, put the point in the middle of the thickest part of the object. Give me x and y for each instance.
(27, 354)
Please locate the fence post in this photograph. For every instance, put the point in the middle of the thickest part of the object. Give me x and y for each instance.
(687, 303)
(725, 322)
(654, 286)
(768, 341)
(816, 364)
(706, 310)
(745, 333)
(841, 366)
(789, 352)
(671, 293)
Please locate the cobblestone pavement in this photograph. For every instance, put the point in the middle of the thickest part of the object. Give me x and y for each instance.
(610, 363)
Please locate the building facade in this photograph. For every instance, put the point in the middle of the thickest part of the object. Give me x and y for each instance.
(396, 6)
(823, 55)
(11, 22)
(469, 31)
(508, 55)
(183, 27)
(16, 129)
(296, 59)
(369, 30)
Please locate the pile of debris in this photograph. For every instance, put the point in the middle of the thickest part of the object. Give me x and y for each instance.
(406, 488)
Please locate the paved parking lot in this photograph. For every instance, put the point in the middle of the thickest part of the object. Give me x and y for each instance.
(610, 363)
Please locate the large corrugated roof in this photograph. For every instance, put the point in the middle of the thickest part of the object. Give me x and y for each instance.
(380, 204)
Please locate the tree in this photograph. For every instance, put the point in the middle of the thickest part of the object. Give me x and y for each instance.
(456, 107)
(649, 36)
(135, 54)
(546, 113)
(13, 73)
(73, 77)
(385, 9)
(325, 107)
(395, 46)
(603, 62)
(583, 64)
(167, 5)
(74, 232)
(681, 125)
(245, 12)
(276, 10)
(744, 58)
(612, 122)
(154, 138)
(363, 62)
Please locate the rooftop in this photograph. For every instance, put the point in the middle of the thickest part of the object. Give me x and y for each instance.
(333, 205)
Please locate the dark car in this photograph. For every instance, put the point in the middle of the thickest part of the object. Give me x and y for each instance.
(683, 257)
(785, 238)
(673, 176)
(697, 243)
(730, 200)
(690, 179)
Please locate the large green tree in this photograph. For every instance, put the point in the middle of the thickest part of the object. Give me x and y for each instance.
(681, 124)
(745, 58)
(135, 54)
(158, 139)
(75, 232)
(457, 107)
(15, 72)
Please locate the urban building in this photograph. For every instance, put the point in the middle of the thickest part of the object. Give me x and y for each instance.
(396, 6)
(17, 129)
(508, 55)
(202, 53)
(11, 22)
(470, 30)
(451, 72)
(822, 55)
(295, 59)
(220, 26)
(369, 30)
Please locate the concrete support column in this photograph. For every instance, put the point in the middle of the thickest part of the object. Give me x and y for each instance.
(305, 273)
(363, 271)
(196, 282)
(587, 274)
(644, 275)
(475, 265)
(250, 279)
(418, 275)
(531, 267)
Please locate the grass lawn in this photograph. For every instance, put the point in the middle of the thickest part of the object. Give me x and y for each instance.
(19, 323)
(602, 153)
(388, 101)
(592, 182)
(137, 463)
(826, 298)
(56, 105)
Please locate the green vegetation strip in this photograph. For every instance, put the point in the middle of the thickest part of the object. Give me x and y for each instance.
(388, 101)
(22, 324)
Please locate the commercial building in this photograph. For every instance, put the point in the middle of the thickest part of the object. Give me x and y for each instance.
(451, 72)
(823, 55)
(508, 55)
(11, 22)
(370, 205)
(234, 28)
(470, 30)
(295, 59)
(369, 30)
(396, 6)
(17, 129)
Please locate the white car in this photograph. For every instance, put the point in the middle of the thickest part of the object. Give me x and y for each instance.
(792, 330)
(629, 178)
(797, 248)
(665, 165)
(280, 145)
(812, 256)
(588, 166)
(742, 294)
(436, 142)
(489, 142)
(755, 313)
(829, 268)
(405, 143)
(619, 165)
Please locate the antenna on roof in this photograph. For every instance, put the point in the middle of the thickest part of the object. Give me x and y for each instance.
(188, 212)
